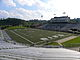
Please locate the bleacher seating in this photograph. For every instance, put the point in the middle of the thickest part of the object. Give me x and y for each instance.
(61, 27)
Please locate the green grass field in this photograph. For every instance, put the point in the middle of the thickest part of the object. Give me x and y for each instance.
(72, 43)
(53, 43)
(17, 38)
(16, 27)
(36, 36)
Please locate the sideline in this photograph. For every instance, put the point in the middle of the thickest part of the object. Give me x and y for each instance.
(22, 37)
(66, 39)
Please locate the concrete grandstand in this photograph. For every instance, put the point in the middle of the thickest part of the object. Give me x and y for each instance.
(63, 23)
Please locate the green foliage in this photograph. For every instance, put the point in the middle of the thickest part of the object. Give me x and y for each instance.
(11, 22)
(20, 22)
(72, 43)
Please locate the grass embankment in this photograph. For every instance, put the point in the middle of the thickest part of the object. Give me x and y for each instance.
(72, 43)
(16, 27)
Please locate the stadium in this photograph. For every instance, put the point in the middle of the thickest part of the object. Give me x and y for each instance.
(47, 43)
(63, 23)
(39, 30)
(14, 45)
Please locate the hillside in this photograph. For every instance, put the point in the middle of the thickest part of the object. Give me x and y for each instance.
(12, 21)
(4, 23)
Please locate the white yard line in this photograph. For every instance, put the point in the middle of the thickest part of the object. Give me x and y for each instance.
(23, 37)
(36, 42)
(60, 44)
(66, 39)
(39, 42)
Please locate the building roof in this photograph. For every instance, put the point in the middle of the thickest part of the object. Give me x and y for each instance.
(62, 17)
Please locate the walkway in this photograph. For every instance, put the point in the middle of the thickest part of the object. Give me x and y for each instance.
(66, 39)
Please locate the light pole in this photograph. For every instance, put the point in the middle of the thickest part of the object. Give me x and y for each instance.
(54, 15)
(64, 13)
(41, 17)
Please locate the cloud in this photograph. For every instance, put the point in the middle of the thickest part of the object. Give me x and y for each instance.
(31, 2)
(25, 14)
(47, 9)
(28, 14)
(51, 7)
(42, 9)
(69, 6)
(26, 2)
(20, 13)
(9, 3)
(4, 14)
(11, 14)
(15, 15)
(35, 14)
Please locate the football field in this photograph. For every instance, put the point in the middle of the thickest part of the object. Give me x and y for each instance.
(36, 36)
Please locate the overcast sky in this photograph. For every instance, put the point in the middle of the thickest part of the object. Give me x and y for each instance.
(33, 9)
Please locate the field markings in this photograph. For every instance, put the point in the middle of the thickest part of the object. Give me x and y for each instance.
(28, 35)
(35, 42)
(39, 42)
(60, 44)
(62, 40)
(22, 37)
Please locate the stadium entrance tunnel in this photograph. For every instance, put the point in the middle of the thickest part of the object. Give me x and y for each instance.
(74, 30)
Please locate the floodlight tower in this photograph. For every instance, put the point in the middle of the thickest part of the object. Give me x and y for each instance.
(41, 17)
(64, 13)
(54, 15)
